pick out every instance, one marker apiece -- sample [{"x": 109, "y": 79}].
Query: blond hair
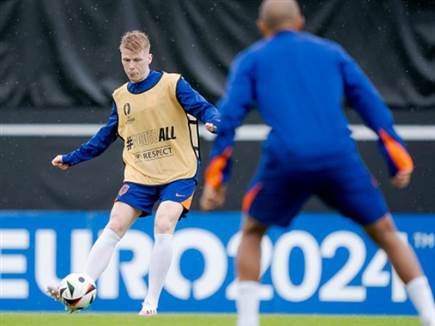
[{"x": 135, "y": 41}]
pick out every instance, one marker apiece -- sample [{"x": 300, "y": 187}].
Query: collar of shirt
[
  {"x": 284, "y": 32},
  {"x": 146, "y": 84}
]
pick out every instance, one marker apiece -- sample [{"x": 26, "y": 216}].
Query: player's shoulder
[
  {"x": 253, "y": 49},
  {"x": 170, "y": 80},
  {"x": 321, "y": 41},
  {"x": 171, "y": 76},
  {"x": 120, "y": 89},
  {"x": 248, "y": 56}
]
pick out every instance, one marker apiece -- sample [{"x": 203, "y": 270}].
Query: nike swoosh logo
[{"x": 178, "y": 195}]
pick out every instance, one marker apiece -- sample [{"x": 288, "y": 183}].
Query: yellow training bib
[{"x": 160, "y": 138}]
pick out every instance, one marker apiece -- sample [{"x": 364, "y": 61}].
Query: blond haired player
[{"x": 155, "y": 114}]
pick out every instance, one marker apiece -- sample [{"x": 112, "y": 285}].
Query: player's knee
[
  {"x": 118, "y": 229},
  {"x": 163, "y": 225},
  {"x": 253, "y": 230},
  {"x": 383, "y": 230},
  {"x": 117, "y": 226}
]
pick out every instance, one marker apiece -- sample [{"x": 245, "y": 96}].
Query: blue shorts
[
  {"x": 144, "y": 198},
  {"x": 278, "y": 192}
]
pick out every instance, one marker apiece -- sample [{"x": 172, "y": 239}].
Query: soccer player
[
  {"x": 155, "y": 114},
  {"x": 297, "y": 81}
]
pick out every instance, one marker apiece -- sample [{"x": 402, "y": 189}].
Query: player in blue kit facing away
[
  {"x": 297, "y": 81},
  {"x": 156, "y": 114}
]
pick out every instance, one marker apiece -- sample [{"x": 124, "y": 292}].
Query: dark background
[{"x": 59, "y": 63}]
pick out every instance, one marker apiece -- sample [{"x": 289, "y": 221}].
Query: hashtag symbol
[{"x": 129, "y": 143}]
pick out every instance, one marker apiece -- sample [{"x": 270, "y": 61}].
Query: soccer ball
[{"x": 77, "y": 291}]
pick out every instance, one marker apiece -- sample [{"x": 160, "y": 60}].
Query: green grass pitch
[{"x": 52, "y": 319}]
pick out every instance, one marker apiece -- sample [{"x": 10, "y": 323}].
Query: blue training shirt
[
  {"x": 191, "y": 101},
  {"x": 298, "y": 81}
]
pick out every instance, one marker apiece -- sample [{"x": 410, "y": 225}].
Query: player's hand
[
  {"x": 58, "y": 162},
  {"x": 401, "y": 180},
  {"x": 212, "y": 198},
  {"x": 210, "y": 127}
]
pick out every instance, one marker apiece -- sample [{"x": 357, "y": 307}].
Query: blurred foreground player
[
  {"x": 298, "y": 82},
  {"x": 155, "y": 114}
]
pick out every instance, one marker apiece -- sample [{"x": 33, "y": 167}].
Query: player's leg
[
  {"x": 274, "y": 198},
  {"x": 384, "y": 233},
  {"x": 175, "y": 202},
  {"x": 166, "y": 219},
  {"x": 248, "y": 271},
  {"x": 132, "y": 200},
  {"x": 249, "y": 253},
  {"x": 351, "y": 189},
  {"x": 121, "y": 218},
  {"x": 407, "y": 266}
]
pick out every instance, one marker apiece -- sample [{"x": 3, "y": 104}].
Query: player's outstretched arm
[
  {"x": 58, "y": 162},
  {"x": 234, "y": 107},
  {"x": 105, "y": 136},
  {"x": 367, "y": 101},
  {"x": 196, "y": 105}
]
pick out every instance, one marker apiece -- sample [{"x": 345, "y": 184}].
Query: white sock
[
  {"x": 248, "y": 304},
  {"x": 421, "y": 296},
  {"x": 101, "y": 252},
  {"x": 160, "y": 262}
]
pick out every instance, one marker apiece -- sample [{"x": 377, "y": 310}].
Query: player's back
[{"x": 298, "y": 87}]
